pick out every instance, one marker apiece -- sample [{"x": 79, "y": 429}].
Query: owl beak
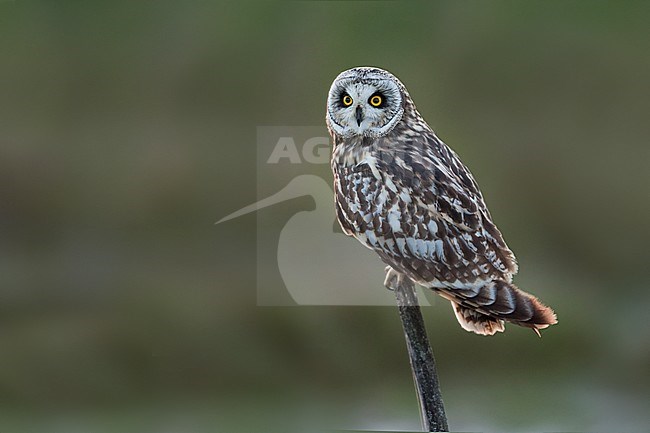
[{"x": 358, "y": 114}]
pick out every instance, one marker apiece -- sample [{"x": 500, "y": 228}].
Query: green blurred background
[{"x": 128, "y": 128}]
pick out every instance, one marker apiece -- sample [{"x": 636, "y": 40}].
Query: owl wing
[{"x": 420, "y": 208}]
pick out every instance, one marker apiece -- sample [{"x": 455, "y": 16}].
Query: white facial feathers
[{"x": 364, "y": 102}]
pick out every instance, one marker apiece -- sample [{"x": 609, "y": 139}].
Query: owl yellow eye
[
  {"x": 347, "y": 100},
  {"x": 375, "y": 100}
]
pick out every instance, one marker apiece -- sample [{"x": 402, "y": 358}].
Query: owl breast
[{"x": 393, "y": 208}]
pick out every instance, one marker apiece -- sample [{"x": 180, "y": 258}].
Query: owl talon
[{"x": 393, "y": 278}]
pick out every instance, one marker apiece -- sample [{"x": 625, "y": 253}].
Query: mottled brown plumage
[{"x": 406, "y": 195}]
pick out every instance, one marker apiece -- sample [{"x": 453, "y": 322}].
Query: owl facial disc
[{"x": 364, "y": 102}]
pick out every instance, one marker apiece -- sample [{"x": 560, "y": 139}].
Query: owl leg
[{"x": 393, "y": 278}]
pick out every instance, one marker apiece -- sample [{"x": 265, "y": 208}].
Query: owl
[{"x": 406, "y": 195}]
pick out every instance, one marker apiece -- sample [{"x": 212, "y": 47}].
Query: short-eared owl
[{"x": 404, "y": 194}]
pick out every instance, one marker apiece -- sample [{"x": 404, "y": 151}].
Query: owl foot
[{"x": 394, "y": 279}]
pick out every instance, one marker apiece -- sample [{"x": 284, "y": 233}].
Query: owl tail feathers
[{"x": 483, "y": 309}]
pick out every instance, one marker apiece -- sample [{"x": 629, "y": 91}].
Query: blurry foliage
[{"x": 128, "y": 128}]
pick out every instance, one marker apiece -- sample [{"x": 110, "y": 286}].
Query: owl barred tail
[{"x": 500, "y": 301}]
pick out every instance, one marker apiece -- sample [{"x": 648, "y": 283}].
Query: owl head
[{"x": 365, "y": 102}]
